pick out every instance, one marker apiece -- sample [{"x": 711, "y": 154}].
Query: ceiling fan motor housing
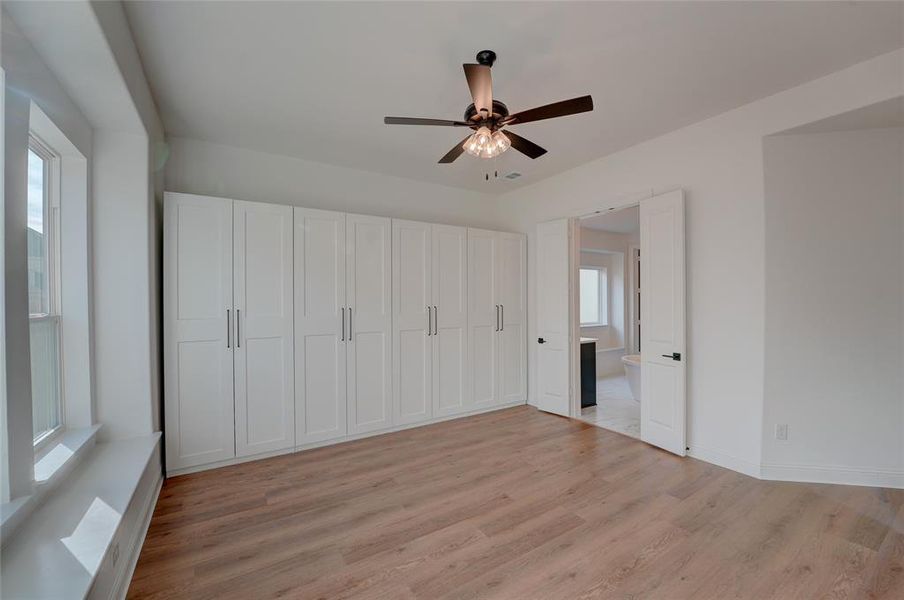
[{"x": 500, "y": 111}]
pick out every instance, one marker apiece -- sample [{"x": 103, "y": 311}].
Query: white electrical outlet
[{"x": 781, "y": 432}]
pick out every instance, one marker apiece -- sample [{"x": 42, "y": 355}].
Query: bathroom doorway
[
  {"x": 660, "y": 312},
  {"x": 607, "y": 290}
]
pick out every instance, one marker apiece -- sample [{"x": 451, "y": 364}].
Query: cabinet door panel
[
  {"x": 264, "y": 370},
  {"x": 198, "y": 359},
  {"x": 320, "y": 349},
  {"x": 411, "y": 326},
  {"x": 511, "y": 279},
  {"x": 483, "y": 317},
  {"x": 451, "y": 393},
  {"x": 369, "y": 323}
]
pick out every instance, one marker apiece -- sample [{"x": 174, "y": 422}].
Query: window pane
[
  {"x": 46, "y": 409},
  {"x": 46, "y": 390},
  {"x": 38, "y": 268},
  {"x": 590, "y": 299}
]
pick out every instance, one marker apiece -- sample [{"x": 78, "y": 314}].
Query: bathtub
[{"x": 632, "y": 371}]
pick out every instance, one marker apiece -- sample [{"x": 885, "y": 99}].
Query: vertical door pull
[
  {"x": 435, "y": 320},
  {"x": 238, "y": 328},
  {"x": 429, "y": 322},
  {"x": 349, "y": 324},
  {"x": 342, "y": 338},
  {"x": 502, "y": 317},
  {"x": 497, "y": 317},
  {"x": 228, "y": 330}
]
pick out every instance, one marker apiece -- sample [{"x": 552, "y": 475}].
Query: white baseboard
[
  {"x": 887, "y": 478},
  {"x": 832, "y": 474},
  {"x": 339, "y": 440},
  {"x": 724, "y": 459}
]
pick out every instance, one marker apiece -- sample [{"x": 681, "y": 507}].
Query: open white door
[
  {"x": 662, "y": 331},
  {"x": 553, "y": 316}
]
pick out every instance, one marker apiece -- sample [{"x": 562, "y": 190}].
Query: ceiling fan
[{"x": 487, "y": 117}]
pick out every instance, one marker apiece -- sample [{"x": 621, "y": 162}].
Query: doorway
[
  {"x": 659, "y": 368},
  {"x": 607, "y": 288}
]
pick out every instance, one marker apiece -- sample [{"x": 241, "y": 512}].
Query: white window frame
[
  {"x": 52, "y": 185},
  {"x": 602, "y": 296}
]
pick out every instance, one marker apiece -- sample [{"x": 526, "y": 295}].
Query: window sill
[
  {"x": 52, "y": 463},
  {"x": 594, "y": 325},
  {"x": 84, "y": 539}
]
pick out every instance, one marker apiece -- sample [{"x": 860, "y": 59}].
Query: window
[
  {"x": 43, "y": 291},
  {"x": 594, "y": 283}
]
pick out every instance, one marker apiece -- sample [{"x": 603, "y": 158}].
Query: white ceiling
[
  {"x": 314, "y": 80},
  {"x": 626, "y": 220}
]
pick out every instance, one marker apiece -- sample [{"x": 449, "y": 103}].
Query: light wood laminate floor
[{"x": 515, "y": 504}]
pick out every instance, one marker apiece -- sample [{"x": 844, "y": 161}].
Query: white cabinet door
[
  {"x": 369, "y": 322},
  {"x": 483, "y": 318},
  {"x": 412, "y": 322},
  {"x": 320, "y": 348},
  {"x": 662, "y": 406},
  {"x": 450, "y": 320},
  {"x": 264, "y": 370},
  {"x": 511, "y": 270},
  {"x": 198, "y": 314}
]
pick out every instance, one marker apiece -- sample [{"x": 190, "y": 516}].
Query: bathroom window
[{"x": 594, "y": 308}]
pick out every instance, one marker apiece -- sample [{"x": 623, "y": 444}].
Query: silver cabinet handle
[
  {"x": 238, "y": 328},
  {"x": 429, "y": 322},
  {"x": 349, "y": 324},
  {"x": 497, "y": 317},
  {"x": 342, "y": 338},
  {"x": 502, "y": 317},
  {"x": 228, "y": 329},
  {"x": 435, "y": 320}
]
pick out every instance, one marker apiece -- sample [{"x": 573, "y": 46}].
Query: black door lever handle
[
  {"x": 673, "y": 356},
  {"x": 541, "y": 341}
]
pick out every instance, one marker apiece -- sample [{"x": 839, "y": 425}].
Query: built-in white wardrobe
[
  {"x": 497, "y": 314},
  {"x": 288, "y": 328},
  {"x": 228, "y": 367}
]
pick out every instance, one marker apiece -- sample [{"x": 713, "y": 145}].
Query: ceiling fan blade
[
  {"x": 481, "y": 83},
  {"x": 454, "y": 153},
  {"x": 551, "y": 111},
  {"x": 524, "y": 146},
  {"x": 417, "y": 121}
]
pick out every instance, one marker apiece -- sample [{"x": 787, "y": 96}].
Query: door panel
[
  {"x": 553, "y": 316},
  {"x": 198, "y": 344},
  {"x": 320, "y": 348},
  {"x": 511, "y": 275},
  {"x": 369, "y": 322},
  {"x": 412, "y": 321},
  {"x": 483, "y": 317},
  {"x": 264, "y": 370},
  {"x": 662, "y": 405},
  {"x": 450, "y": 320}
]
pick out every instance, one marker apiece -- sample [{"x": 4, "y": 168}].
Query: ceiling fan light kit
[
  {"x": 486, "y": 144},
  {"x": 487, "y": 117}
]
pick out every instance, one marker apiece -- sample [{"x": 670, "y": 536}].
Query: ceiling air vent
[{"x": 513, "y": 175}]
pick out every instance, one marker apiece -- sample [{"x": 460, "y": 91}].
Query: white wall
[
  {"x": 834, "y": 322},
  {"x": 197, "y": 167},
  {"x": 719, "y": 162},
  {"x": 122, "y": 299},
  {"x": 147, "y": 191}
]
